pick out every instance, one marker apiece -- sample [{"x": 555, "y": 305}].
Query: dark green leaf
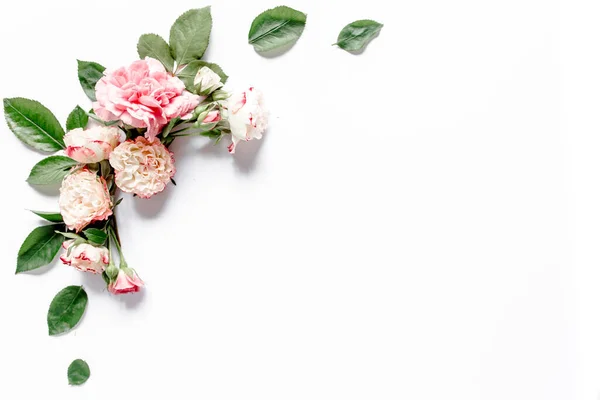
[
  {"x": 97, "y": 236},
  {"x": 51, "y": 170},
  {"x": 275, "y": 28},
  {"x": 66, "y": 309},
  {"x": 49, "y": 216},
  {"x": 151, "y": 45},
  {"x": 89, "y": 73},
  {"x": 77, "y": 119},
  {"x": 190, "y": 34},
  {"x": 78, "y": 372},
  {"x": 34, "y": 124},
  {"x": 188, "y": 74},
  {"x": 39, "y": 248},
  {"x": 356, "y": 35}
]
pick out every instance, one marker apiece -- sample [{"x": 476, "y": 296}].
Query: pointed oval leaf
[
  {"x": 51, "y": 170},
  {"x": 77, "y": 119},
  {"x": 94, "y": 235},
  {"x": 276, "y": 28},
  {"x": 154, "y": 46},
  {"x": 78, "y": 372},
  {"x": 40, "y": 247},
  {"x": 356, "y": 35},
  {"x": 89, "y": 73},
  {"x": 66, "y": 309},
  {"x": 49, "y": 216},
  {"x": 188, "y": 73},
  {"x": 34, "y": 124},
  {"x": 190, "y": 35}
]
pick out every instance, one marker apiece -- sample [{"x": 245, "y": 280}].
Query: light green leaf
[
  {"x": 49, "y": 216},
  {"x": 188, "y": 73},
  {"x": 275, "y": 28},
  {"x": 356, "y": 35},
  {"x": 94, "y": 235},
  {"x": 154, "y": 46},
  {"x": 77, "y": 119},
  {"x": 66, "y": 309},
  {"x": 190, "y": 35},
  {"x": 51, "y": 170},
  {"x": 78, "y": 372},
  {"x": 34, "y": 124},
  {"x": 89, "y": 73},
  {"x": 39, "y": 248}
]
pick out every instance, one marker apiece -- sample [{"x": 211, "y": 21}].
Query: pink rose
[
  {"x": 127, "y": 281},
  {"x": 213, "y": 116},
  {"x": 143, "y": 95},
  {"x": 85, "y": 257},
  {"x": 247, "y": 116},
  {"x": 91, "y": 145}
]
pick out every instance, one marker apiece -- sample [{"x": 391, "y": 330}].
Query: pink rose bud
[
  {"x": 91, "y": 145},
  {"x": 85, "y": 257},
  {"x": 127, "y": 281},
  {"x": 213, "y": 116}
]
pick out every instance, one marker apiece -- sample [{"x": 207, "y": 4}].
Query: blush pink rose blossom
[
  {"x": 85, "y": 257},
  {"x": 127, "y": 281},
  {"x": 143, "y": 95},
  {"x": 91, "y": 145}
]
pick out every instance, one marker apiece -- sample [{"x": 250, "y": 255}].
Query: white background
[{"x": 420, "y": 222}]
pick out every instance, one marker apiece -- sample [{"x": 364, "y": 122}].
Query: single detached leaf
[
  {"x": 89, "y": 73},
  {"x": 34, "y": 124},
  {"x": 275, "y": 28},
  {"x": 66, "y": 309},
  {"x": 188, "y": 73},
  {"x": 77, "y": 119},
  {"x": 97, "y": 236},
  {"x": 51, "y": 170},
  {"x": 49, "y": 216},
  {"x": 40, "y": 247},
  {"x": 190, "y": 34},
  {"x": 356, "y": 35},
  {"x": 151, "y": 45},
  {"x": 78, "y": 372}
]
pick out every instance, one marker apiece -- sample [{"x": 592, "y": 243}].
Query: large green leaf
[
  {"x": 275, "y": 28},
  {"x": 40, "y": 247},
  {"x": 49, "y": 216},
  {"x": 66, "y": 309},
  {"x": 89, "y": 73},
  {"x": 51, "y": 170},
  {"x": 356, "y": 35},
  {"x": 188, "y": 74},
  {"x": 154, "y": 46},
  {"x": 77, "y": 119},
  {"x": 95, "y": 235},
  {"x": 78, "y": 372},
  {"x": 34, "y": 124},
  {"x": 190, "y": 35}
]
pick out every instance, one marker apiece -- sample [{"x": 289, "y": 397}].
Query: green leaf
[
  {"x": 39, "y": 248},
  {"x": 275, "y": 28},
  {"x": 51, "y": 170},
  {"x": 77, "y": 119},
  {"x": 151, "y": 45},
  {"x": 66, "y": 309},
  {"x": 78, "y": 372},
  {"x": 89, "y": 73},
  {"x": 97, "y": 236},
  {"x": 34, "y": 124},
  {"x": 190, "y": 34},
  {"x": 49, "y": 216},
  {"x": 356, "y": 35},
  {"x": 188, "y": 73}
]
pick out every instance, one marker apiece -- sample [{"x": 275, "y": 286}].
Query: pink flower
[
  {"x": 143, "y": 95},
  {"x": 247, "y": 116},
  {"x": 91, "y": 145},
  {"x": 213, "y": 116},
  {"x": 127, "y": 281},
  {"x": 85, "y": 257}
]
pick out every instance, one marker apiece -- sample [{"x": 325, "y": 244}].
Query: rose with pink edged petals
[
  {"x": 85, "y": 257},
  {"x": 91, "y": 145},
  {"x": 247, "y": 116},
  {"x": 127, "y": 281}
]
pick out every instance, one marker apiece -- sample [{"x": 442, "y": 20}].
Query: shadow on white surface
[
  {"x": 94, "y": 283},
  {"x": 152, "y": 207},
  {"x": 246, "y": 154},
  {"x": 132, "y": 300}
]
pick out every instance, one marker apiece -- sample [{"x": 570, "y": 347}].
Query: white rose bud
[
  {"x": 91, "y": 145},
  {"x": 207, "y": 81},
  {"x": 85, "y": 257},
  {"x": 247, "y": 116}
]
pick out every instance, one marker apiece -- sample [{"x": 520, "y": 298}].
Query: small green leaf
[
  {"x": 97, "y": 236},
  {"x": 89, "y": 73},
  {"x": 188, "y": 73},
  {"x": 49, "y": 216},
  {"x": 66, "y": 309},
  {"x": 34, "y": 124},
  {"x": 70, "y": 235},
  {"x": 190, "y": 35},
  {"x": 151, "y": 45},
  {"x": 51, "y": 170},
  {"x": 39, "y": 248},
  {"x": 356, "y": 35},
  {"x": 77, "y": 119},
  {"x": 275, "y": 28},
  {"x": 78, "y": 372}
]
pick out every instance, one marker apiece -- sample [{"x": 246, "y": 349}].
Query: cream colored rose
[
  {"x": 91, "y": 145},
  {"x": 142, "y": 167},
  {"x": 84, "y": 198},
  {"x": 85, "y": 257},
  {"x": 207, "y": 81},
  {"x": 247, "y": 116}
]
